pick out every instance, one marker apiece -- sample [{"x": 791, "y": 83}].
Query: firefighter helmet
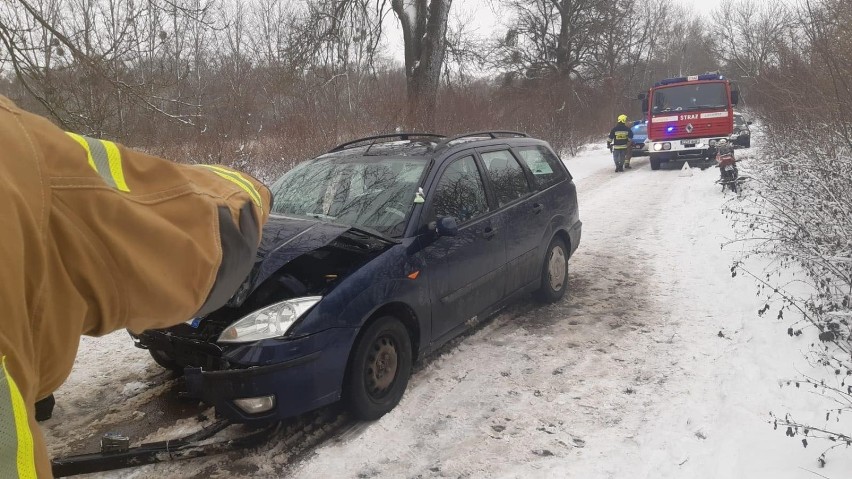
[{"x": 622, "y": 118}]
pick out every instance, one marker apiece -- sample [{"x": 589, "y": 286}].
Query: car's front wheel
[
  {"x": 554, "y": 272},
  {"x": 379, "y": 369},
  {"x": 165, "y": 360},
  {"x": 655, "y": 162}
]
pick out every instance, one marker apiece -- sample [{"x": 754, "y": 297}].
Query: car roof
[{"x": 423, "y": 145}]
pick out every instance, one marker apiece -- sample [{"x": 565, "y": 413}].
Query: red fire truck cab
[{"x": 687, "y": 116}]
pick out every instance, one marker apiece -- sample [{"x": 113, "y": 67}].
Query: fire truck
[{"x": 687, "y": 116}]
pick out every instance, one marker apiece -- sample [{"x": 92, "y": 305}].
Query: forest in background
[{"x": 267, "y": 83}]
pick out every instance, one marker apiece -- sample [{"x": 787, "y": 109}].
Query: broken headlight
[{"x": 269, "y": 322}]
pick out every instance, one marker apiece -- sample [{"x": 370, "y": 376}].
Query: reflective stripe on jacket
[
  {"x": 16, "y": 440},
  {"x": 620, "y": 136}
]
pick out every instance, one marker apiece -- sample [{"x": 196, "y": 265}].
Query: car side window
[
  {"x": 460, "y": 192},
  {"x": 510, "y": 182},
  {"x": 545, "y": 166}
]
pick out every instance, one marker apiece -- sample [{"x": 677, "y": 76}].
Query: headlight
[
  {"x": 658, "y": 146},
  {"x": 667, "y": 146},
  {"x": 269, "y": 322}
]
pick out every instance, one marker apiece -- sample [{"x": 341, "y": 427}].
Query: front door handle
[
  {"x": 538, "y": 208},
  {"x": 489, "y": 232}
]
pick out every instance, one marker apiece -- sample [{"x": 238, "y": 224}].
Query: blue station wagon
[{"x": 377, "y": 253}]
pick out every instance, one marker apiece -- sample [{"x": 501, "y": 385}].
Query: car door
[
  {"x": 555, "y": 193},
  {"x": 521, "y": 216},
  {"x": 466, "y": 270}
]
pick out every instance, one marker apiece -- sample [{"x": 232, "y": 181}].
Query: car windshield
[
  {"x": 690, "y": 97},
  {"x": 640, "y": 129},
  {"x": 373, "y": 193}
]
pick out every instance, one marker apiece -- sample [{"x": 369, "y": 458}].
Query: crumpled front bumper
[
  {"x": 290, "y": 382},
  {"x": 301, "y": 374}
]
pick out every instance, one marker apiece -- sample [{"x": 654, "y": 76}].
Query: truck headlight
[{"x": 269, "y": 322}]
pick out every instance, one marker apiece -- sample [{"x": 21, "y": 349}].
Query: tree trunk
[{"x": 424, "y": 28}]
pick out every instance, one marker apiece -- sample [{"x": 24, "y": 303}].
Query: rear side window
[
  {"x": 545, "y": 166},
  {"x": 460, "y": 193},
  {"x": 510, "y": 182}
]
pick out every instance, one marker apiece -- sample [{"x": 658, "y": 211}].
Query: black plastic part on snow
[{"x": 186, "y": 447}]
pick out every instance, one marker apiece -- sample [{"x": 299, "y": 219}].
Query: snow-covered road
[{"x": 656, "y": 365}]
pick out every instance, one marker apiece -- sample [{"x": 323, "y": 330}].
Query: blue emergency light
[{"x": 706, "y": 76}]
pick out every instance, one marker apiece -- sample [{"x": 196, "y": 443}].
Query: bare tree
[
  {"x": 749, "y": 34},
  {"x": 552, "y": 37},
  {"x": 424, "y": 29}
]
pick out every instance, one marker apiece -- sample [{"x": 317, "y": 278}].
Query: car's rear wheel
[
  {"x": 655, "y": 162},
  {"x": 554, "y": 272},
  {"x": 379, "y": 369}
]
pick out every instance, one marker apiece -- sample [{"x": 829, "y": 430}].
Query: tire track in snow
[{"x": 536, "y": 382}]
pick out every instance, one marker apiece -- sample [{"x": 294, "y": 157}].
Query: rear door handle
[
  {"x": 489, "y": 232},
  {"x": 538, "y": 208}
]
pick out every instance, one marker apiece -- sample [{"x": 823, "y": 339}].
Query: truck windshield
[{"x": 690, "y": 97}]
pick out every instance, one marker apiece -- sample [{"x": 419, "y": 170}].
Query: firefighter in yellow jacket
[{"x": 95, "y": 237}]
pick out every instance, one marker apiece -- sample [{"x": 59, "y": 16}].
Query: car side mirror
[
  {"x": 447, "y": 226},
  {"x": 735, "y": 97},
  {"x": 641, "y": 97},
  {"x": 749, "y": 123}
]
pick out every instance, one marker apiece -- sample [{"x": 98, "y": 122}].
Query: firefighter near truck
[{"x": 687, "y": 116}]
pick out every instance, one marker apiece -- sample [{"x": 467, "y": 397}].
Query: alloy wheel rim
[{"x": 556, "y": 268}]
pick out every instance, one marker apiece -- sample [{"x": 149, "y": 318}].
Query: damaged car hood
[{"x": 286, "y": 238}]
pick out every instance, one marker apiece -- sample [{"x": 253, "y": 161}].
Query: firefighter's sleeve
[{"x": 147, "y": 242}]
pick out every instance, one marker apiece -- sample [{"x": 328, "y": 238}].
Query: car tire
[
  {"x": 554, "y": 272},
  {"x": 747, "y": 142},
  {"x": 655, "y": 163},
  {"x": 165, "y": 360},
  {"x": 383, "y": 349}
]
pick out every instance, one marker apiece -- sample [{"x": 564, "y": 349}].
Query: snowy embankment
[{"x": 655, "y": 366}]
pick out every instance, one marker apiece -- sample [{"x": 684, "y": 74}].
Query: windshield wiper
[{"x": 374, "y": 233}]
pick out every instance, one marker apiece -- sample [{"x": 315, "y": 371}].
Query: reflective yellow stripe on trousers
[
  {"x": 105, "y": 158},
  {"x": 16, "y": 439}
]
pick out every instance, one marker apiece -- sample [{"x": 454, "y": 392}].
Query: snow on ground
[{"x": 655, "y": 366}]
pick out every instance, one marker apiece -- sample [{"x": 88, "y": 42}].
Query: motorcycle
[{"x": 729, "y": 176}]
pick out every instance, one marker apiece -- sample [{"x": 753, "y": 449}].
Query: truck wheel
[
  {"x": 378, "y": 371},
  {"x": 655, "y": 163}
]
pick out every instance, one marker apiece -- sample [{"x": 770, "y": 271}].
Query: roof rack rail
[
  {"x": 492, "y": 133},
  {"x": 401, "y": 136}
]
